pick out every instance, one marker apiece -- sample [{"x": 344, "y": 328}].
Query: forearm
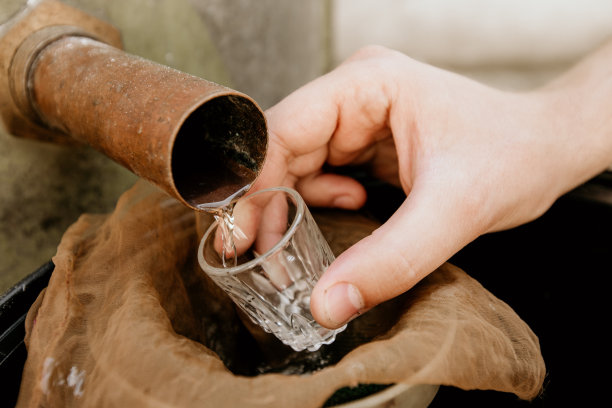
[{"x": 578, "y": 107}]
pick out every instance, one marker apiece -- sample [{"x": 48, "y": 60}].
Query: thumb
[{"x": 419, "y": 237}]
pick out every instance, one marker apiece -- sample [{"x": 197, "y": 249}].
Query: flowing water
[
  {"x": 225, "y": 219},
  {"x": 223, "y": 213}
]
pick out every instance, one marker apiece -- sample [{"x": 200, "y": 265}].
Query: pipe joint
[{"x": 22, "y": 63}]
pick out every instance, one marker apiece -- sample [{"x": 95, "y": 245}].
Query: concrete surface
[{"x": 265, "y": 48}]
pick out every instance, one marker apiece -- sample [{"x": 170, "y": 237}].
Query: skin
[{"x": 471, "y": 160}]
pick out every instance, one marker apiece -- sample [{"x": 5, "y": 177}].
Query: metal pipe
[{"x": 199, "y": 141}]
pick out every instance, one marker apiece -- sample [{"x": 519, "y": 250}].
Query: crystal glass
[{"x": 278, "y": 258}]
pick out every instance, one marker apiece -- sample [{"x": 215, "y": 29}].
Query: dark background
[{"x": 553, "y": 272}]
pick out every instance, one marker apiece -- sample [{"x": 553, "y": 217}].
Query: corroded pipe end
[
  {"x": 219, "y": 151},
  {"x": 199, "y": 141}
]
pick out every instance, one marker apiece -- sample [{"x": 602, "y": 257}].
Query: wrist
[{"x": 577, "y": 114}]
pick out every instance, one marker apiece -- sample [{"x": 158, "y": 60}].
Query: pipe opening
[{"x": 219, "y": 151}]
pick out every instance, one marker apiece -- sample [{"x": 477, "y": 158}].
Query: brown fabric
[{"x": 127, "y": 313}]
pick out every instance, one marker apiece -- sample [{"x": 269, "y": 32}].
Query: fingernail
[{"x": 343, "y": 302}]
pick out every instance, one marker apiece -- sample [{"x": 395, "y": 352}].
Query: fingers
[
  {"x": 246, "y": 218},
  {"x": 420, "y": 236},
  {"x": 244, "y": 223},
  {"x": 275, "y": 169},
  {"x": 259, "y": 223},
  {"x": 273, "y": 225},
  {"x": 343, "y": 113},
  {"x": 332, "y": 190}
]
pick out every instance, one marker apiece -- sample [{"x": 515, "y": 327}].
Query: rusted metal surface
[
  {"x": 197, "y": 140},
  {"x": 44, "y": 14},
  {"x": 23, "y": 60}
]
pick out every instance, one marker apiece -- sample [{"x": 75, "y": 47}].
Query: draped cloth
[{"x": 129, "y": 319}]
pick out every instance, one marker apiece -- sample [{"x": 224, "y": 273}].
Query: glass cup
[{"x": 279, "y": 256}]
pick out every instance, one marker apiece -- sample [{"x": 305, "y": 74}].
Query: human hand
[{"x": 470, "y": 158}]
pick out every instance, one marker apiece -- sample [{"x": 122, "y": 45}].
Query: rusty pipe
[{"x": 199, "y": 141}]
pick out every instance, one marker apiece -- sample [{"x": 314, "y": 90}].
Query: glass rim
[{"x": 234, "y": 270}]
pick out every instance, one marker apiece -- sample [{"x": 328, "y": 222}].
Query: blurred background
[{"x": 267, "y": 48}]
